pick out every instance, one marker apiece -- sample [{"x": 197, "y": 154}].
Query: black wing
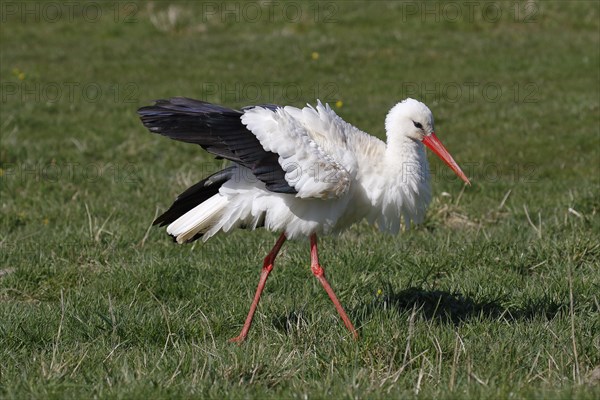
[{"x": 219, "y": 130}]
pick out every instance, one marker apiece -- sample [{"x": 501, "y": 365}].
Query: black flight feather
[{"x": 219, "y": 130}]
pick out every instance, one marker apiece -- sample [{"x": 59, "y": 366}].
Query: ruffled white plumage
[
  {"x": 293, "y": 134},
  {"x": 340, "y": 173}
]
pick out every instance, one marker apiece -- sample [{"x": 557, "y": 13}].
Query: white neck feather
[{"x": 406, "y": 193}]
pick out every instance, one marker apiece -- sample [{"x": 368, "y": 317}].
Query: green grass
[{"x": 476, "y": 303}]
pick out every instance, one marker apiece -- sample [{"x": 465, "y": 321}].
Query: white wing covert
[{"x": 312, "y": 152}]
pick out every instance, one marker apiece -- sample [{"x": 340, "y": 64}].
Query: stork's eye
[{"x": 418, "y": 125}]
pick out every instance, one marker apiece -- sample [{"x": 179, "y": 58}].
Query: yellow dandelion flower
[
  {"x": 18, "y": 73},
  {"x": 314, "y": 55},
  {"x": 45, "y": 221},
  {"x": 379, "y": 292},
  {"x": 339, "y": 104}
]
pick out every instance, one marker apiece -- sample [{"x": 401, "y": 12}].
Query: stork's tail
[
  {"x": 196, "y": 210},
  {"x": 200, "y": 219}
]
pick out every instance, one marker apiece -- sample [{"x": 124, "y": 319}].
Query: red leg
[
  {"x": 264, "y": 274},
  {"x": 318, "y": 271}
]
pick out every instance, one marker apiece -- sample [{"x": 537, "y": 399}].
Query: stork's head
[
  {"x": 410, "y": 118},
  {"x": 414, "y": 120}
]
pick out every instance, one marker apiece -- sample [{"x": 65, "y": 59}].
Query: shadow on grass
[
  {"x": 441, "y": 306},
  {"x": 455, "y": 308}
]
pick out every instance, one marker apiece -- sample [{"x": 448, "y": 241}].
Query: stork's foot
[{"x": 238, "y": 339}]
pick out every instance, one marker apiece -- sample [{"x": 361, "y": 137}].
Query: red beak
[{"x": 438, "y": 148}]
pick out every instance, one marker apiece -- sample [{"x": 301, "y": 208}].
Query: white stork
[{"x": 300, "y": 172}]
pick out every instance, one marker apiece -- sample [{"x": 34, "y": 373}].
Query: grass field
[{"x": 495, "y": 296}]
